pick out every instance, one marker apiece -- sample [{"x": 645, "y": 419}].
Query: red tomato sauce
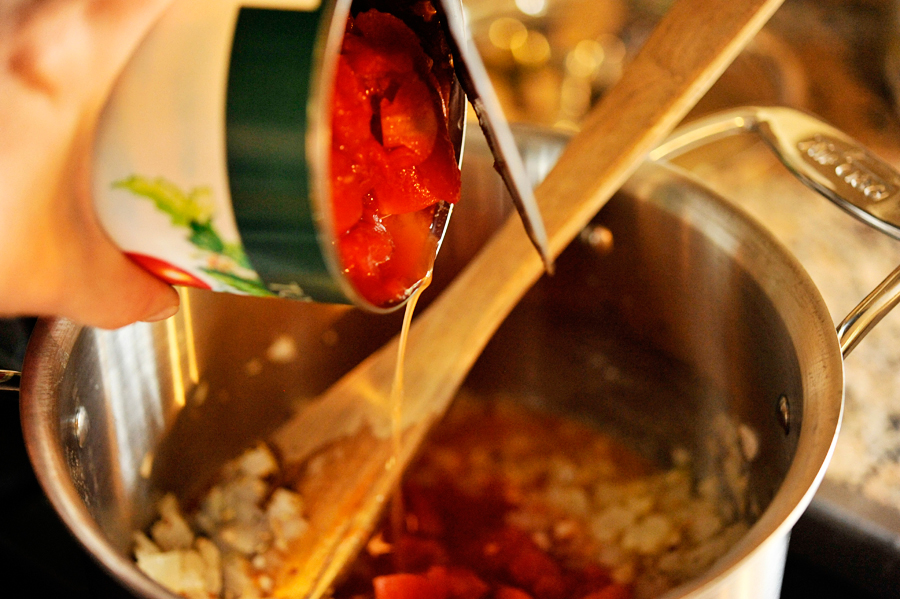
[
  {"x": 392, "y": 160},
  {"x": 454, "y": 540}
]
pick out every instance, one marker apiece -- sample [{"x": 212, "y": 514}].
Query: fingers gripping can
[{"x": 270, "y": 148}]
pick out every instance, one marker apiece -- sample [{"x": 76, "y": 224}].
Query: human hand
[{"x": 58, "y": 62}]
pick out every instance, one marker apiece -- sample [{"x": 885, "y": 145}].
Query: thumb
[{"x": 108, "y": 290}]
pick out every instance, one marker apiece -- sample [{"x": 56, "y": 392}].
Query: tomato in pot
[
  {"x": 468, "y": 514},
  {"x": 392, "y": 160}
]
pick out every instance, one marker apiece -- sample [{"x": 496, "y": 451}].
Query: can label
[
  {"x": 196, "y": 121},
  {"x": 212, "y": 163}
]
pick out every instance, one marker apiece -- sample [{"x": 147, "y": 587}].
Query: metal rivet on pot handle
[{"x": 828, "y": 161}]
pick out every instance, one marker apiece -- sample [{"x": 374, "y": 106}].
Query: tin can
[{"x": 211, "y": 162}]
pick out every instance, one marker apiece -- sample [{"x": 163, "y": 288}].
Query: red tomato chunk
[
  {"x": 455, "y": 540},
  {"x": 392, "y": 160}
]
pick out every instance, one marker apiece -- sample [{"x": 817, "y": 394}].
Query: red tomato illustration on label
[{"x": 167, "y": 272}]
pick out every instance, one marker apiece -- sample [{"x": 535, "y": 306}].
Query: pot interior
[{"x": 690, "y": 313}]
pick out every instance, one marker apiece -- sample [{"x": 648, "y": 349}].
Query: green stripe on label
[{"x": 272, "y": 65}]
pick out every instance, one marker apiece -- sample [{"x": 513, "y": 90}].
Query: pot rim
[
  {"x": 48, "y": 353},
  {"x": 44, "y": 366}
]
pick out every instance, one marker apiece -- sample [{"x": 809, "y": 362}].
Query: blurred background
[{"x": 550, "y": 61}]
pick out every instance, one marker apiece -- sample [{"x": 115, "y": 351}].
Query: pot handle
[
  {"x": 9, "y": 380},
  {"x": 828, "y": 161}
]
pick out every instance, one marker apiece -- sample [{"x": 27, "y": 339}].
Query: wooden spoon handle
[{"x": 691, "y": 46}]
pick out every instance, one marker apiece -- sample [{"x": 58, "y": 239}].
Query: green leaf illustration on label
[{"x": 226, "y": 261}]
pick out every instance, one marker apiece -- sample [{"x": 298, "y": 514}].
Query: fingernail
[{"x": 163, "y": 314}]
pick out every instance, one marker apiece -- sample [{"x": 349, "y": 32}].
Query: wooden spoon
[{"x": 688, "y": 50}]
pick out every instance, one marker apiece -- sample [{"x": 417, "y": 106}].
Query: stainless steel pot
[{"x": 694, "y": 307}]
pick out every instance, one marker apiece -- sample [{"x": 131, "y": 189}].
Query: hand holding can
[
  {"x": 296, "y": 149},
  {"x": 61, "y": 59}
]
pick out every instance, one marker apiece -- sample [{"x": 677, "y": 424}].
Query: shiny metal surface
[
  {"x": 695, "y": 308},
  {"x": 9, "y": 380},
  {"x": 869, "y": 312},
  {"x": 830, "y": 162}
]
